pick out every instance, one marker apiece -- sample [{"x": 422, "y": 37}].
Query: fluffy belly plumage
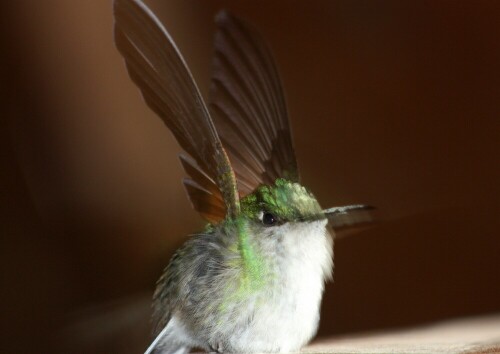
[{"x": 286, "y": 316}]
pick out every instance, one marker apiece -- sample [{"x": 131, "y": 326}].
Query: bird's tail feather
[{"x": 165, "y": 344}]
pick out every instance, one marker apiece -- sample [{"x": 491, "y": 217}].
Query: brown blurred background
[{"x": 393, "y": 103}]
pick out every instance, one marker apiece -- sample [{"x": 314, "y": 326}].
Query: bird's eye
[{"x": 268, "y": 219}]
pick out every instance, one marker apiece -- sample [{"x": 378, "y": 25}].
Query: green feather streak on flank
[
  {"x": 253, "y": 268},
  {"x": 252, "y": 264}
]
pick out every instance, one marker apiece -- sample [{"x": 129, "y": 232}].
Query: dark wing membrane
[
  {"x": 248, "y": 107},
  {"x": 157, "y": 67},
  {"x": 202, "y": 191}
]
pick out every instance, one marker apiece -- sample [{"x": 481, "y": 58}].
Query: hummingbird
[{"x": 253, "y": 279}]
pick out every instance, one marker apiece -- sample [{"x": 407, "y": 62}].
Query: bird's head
[{"x": 280, "y": 203}]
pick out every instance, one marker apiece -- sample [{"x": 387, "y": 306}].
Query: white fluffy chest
[{"x": 287, "y": 316}]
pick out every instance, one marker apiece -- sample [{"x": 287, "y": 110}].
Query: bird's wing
[
  {"x": 157, "y": 67},
  {"x": 248, "y": 106}
]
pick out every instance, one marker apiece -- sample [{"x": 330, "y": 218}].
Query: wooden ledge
[{"x": 470, "y": 335}]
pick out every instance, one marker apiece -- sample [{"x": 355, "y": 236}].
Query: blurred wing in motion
[
  {"x": 248, "y": 107},
  {"x": 157, "y": 67}
]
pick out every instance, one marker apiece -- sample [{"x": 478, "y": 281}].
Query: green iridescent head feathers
[{"x": 286, "y": 200}]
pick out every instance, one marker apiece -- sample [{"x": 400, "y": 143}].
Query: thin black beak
[
  {"x": 349, "y": 215},
  {"x": 343, "y": 210}
]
